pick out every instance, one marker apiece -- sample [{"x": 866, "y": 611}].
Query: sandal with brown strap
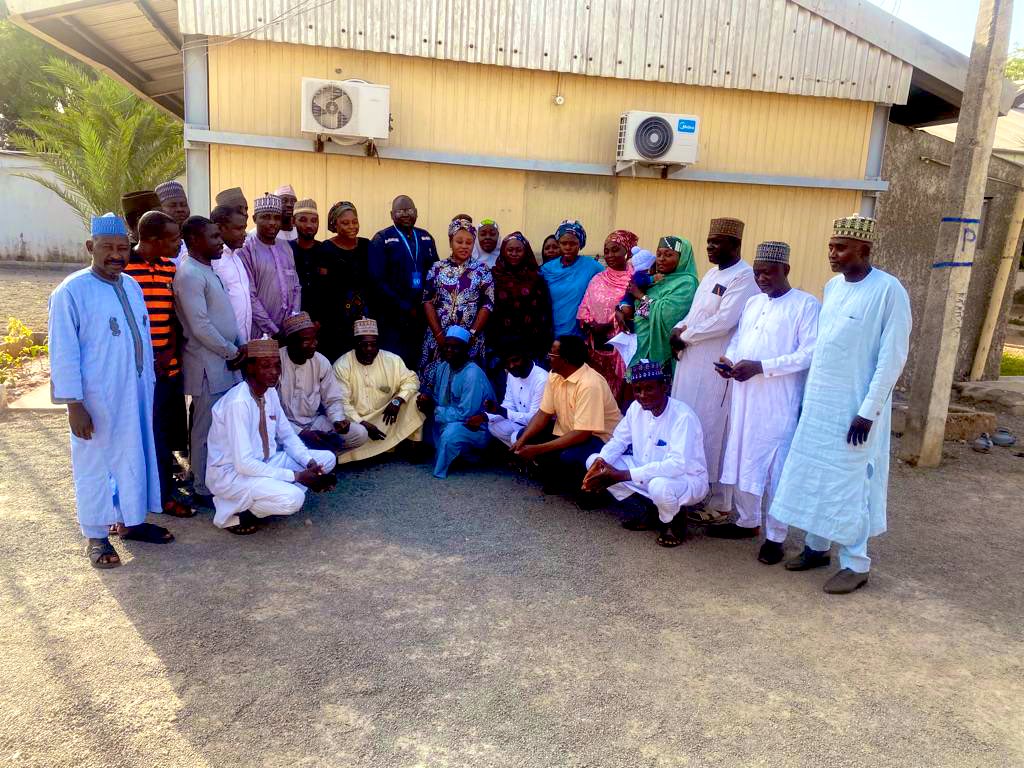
[{"x": 102, "y": 548}]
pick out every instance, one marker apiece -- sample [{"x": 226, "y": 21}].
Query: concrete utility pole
[{"x": 939, "y": 336}]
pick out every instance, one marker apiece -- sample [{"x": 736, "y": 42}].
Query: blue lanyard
[{"x": 415, "y": 257}]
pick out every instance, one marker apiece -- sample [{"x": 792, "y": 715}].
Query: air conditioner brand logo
[{"x": 686, "y": 126}]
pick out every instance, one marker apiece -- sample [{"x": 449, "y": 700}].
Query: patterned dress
[{"x": 458, "y": 292}]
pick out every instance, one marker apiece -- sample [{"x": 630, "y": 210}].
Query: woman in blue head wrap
[{"x": 568, "y": 277}]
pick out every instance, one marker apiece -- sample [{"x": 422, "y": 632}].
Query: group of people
[{"x": 732, "y": 401}]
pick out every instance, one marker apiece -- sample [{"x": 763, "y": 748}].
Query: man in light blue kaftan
[
  {"x": 101, "y": 367},
  {"x": 834, "y": 481},
  {"x": 455, "y": 395}
]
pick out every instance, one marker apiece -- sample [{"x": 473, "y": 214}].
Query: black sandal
[
  {"x": 99, "y": 548},
  {"x": 146, "y": 532},
  {"x": 247, "y": 524},
  {"x": 668, "y": 538}
]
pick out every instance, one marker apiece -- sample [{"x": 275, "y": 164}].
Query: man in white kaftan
[
  {"x": 257, "y": 465},
  {"x": 700, "y": 340},
  {"x": 767, "y": 362},
  {"x": 101, "y": 367},
  {"x": 310, "y": 393},
  {"x": 524, "y": 390},
  {"x": 835, "y": 480},
  {"x": 377, "y": 392},
  {"x": 666, "y": 463}
]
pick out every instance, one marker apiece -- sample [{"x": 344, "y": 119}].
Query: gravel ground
[
  {"x": 407, "y": 621},
  {"x": 25, "y": 291}
]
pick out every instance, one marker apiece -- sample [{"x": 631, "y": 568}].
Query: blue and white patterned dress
[{"x": 458, "y": 292}]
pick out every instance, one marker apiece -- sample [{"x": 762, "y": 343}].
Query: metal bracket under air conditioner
[{"x": 631, "y": 165}]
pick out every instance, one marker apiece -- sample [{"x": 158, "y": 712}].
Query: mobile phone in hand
[{"x": 723, "y": 367}]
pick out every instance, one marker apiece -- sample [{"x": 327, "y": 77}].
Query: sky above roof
[{"x": 951, "y": 21}]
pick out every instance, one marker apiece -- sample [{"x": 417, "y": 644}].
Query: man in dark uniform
[{"x": 400, "y": 257}]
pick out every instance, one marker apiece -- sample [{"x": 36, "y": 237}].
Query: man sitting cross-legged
[
  {"x": 524, "y": 389},
  {"x": 310, "y": 394},
  {"x": 258, "y": 466},
  {"x": 455, "y": 393},
  {"x": 376, "y": 392},
  {"x": 576, "y": 417},
  {"x": 666, "y": 466}
]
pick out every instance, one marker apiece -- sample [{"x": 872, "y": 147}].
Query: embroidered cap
[
  {"x": 262, "y": 348},
  {"x": 772, "y": 250},
  {"x": 305, "y": 206},
  {"x": 108, "y": 225},
  {"x": 300, "y": 321},
  {"x": 855, "y": 227},
  {"x": 365, "y": 326},
  {"x": 267, "y": 204},
  {"x": 458, "y": 332},
  {"x": 647, "y": 370},
  {"x": 170, "y": 190},
  {"x": 285, "y": 190},
  {"x": 727, "y": 227}
]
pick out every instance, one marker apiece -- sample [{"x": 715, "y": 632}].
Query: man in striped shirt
[{"x": 151, "y": 266}]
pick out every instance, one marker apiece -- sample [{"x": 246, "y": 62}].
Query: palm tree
[{"x": 101, "y": 141}]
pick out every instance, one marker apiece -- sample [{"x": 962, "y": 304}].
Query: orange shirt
[{"x": 155, "y": 281}]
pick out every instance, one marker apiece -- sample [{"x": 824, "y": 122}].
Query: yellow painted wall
[{"x": 476, "y": 109}]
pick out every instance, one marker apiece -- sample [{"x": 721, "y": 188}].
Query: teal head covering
[
  {"x": 573, "y": 227},
  {"x": 681, "y": 246}
]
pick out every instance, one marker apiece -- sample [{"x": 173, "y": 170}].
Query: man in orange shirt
[
  {"x": 577, "y": 416},
  {"x": 151, "y": 266}
]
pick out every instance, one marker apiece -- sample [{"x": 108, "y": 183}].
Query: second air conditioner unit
[
  {"x": 350, "y": 109},
  {"x": 657, "y": 138}
]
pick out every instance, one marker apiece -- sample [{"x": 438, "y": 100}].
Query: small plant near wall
[{"x": 17, "y": 348}]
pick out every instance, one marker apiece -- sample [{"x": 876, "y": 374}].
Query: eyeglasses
[{"x": 404, "y": 211}]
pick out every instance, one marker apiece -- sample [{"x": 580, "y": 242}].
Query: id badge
[{"x": 417, "y": 280}]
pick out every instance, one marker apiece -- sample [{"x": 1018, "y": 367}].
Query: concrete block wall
[{"x": 908, "y": 218}]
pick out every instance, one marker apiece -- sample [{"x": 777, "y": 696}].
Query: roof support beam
[
  {"x": 100, "y": 51},
  {"x": 158, "y": 24}
]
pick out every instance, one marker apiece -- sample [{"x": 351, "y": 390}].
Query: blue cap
[
  {"x": 646, "y": 370},
  {"x": 109, "y": 224},
  {"x": 458, "y": 332}
]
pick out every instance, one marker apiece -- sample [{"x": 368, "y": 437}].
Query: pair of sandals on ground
[{"x": 102, "y": 553}]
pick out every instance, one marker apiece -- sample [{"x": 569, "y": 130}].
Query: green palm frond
[{"x": 101, "y": 142}]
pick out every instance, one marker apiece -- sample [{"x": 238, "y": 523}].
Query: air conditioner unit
[
  {"x": 351, "y": 109},
  {"x": 655, "y": 138}
]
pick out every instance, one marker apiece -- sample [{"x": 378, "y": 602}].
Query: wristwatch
[{"x": 397, "y": 402}]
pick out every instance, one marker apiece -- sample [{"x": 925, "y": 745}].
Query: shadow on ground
[{"x": 407, "y": 621}]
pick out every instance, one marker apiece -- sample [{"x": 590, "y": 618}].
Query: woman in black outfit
[{"x": 339, "y": 277}]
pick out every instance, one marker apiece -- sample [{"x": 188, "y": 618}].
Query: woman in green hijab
[{"x": 666, "y": 301}]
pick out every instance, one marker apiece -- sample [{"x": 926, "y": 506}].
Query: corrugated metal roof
[{"x": 761, "y": 45}]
